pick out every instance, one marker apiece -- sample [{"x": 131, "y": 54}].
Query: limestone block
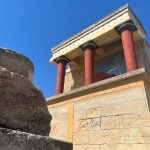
[
  {"x": 92, "y": 101},
  {"x": 131, "y": 147},
  {"x": 81, "y": 138},
  {"x": 126, "y": 121},
  {"x": 82, "y": 114},
  {"x": 108, "y": 147},
  {"x": 135, "y": 120},
  {"x": 123, "y": 136},
  {"x": 92, "y": 147},
  {"x": 112, "y": 136},
  {"x": 148, "y": 146},
  {"x": 104, "y": 137},
  {"x": 16, "y": 140},
  {"x": 124, "y": 147},
  {"x": 93, "y": 112},
  {"x": 79, "y": 147},
  {"x": 92, "y": 124},
  {"x": 110, "y": 122},
  {"x": 59, "y": 118},
  {"x": 80, "y": 105},
  {"x": 135, "y": 135},
  {"x": 16, "y": 62},
  {"x": 123, "y": 95},
  {"x": 138, "y": 105},
  {"x": 59, "y": 131},
  {"x": 22, "y": 105},
  {"x": 80, "y": 125},
  {"x": 142, "y": 53},
  {"x": 96, "y": 138},
  {"x": 86, "y": 147},
  {"x": 61, "y": 109},
  {"x": 87, "y": 102}
]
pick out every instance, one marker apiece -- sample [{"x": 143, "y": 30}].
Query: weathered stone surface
[
  {"x": 112, "y": 147},
  {"x": 59, "y": 131},
  {"x": 93, "y": 112},
  {"x": 135, "y": 135},
  {"x": 92, "y": 124},
  {"x": 79, "y": 147},
  {"x": 110, "y": 122},
  {"x": 123, "y": 147},
  {"x": 135, "y": 120},
  {"x": 16, "y": 62},
  {"x": 113, "y": 118},
  {"x": 81, "y": 138},
  {"x": 132, "y": 106},
  {"x": 104, "y": 136},
  {"x": 82, "y": 114},
  {"x": 15, "y": 140},
  {"x": 22, "y": 105}
]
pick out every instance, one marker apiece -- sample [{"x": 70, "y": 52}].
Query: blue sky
[{"x": 33, "y": 27}]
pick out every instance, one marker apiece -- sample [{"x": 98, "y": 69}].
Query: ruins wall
[
  {"x": 113, "y": 114},
  {"x": 16, "y": 140}
]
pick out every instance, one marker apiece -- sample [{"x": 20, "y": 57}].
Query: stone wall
[
  {"x": 143, "y": 54},
  {"x": 109, "y": 115},
  {"x": 59, "y": 123},
  {"x": 74, "y": 78},
  {"x": 16, "y": 62},
  {"x": 118, "y": 119},
  {"x": 16, "y": 140}
]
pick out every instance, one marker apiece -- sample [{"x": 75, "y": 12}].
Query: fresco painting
[{"x": 110, "y": 66}]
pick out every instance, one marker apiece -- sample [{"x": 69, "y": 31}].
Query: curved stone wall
[
  {"x": 16, "y": 62},
  {"x": 22, "y": 105}
]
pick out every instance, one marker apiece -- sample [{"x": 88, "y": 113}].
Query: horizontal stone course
[
  {"x": 114, "y": 136},
  {"x": 126, "y": 121},
  {"x": 131, "y": 106},
  {"x": 16, "y": 140},
  {"x": 124, "y": 147},
  {"x": 112, "y": 147},
  {"x": 16, "y": 63}
]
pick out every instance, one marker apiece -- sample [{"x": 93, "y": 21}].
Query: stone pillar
[
  {"x": 61, "y": 67},
  {"x": 126, "y": 31},
  {"x": 89, "y": 49}
]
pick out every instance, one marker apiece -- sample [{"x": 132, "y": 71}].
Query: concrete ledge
[
  {"x": 101, "y": 85},
  {"x": 16, "y": 140}
]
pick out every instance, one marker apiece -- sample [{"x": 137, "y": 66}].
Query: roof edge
[{"x": 91, "y": 26}]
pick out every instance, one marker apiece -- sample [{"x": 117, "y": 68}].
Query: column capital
[
  {"x": 126, "y": 26},
  {"x": 89, "y": 45},
  {"x": 62, "y": 59}
]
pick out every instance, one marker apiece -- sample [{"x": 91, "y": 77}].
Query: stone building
[{"x": 102, "y": 97}]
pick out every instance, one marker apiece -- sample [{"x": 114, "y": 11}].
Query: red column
[
  {"x": 89, "y": 49},
  {"x": 61, "y": 67},
  {"x": 126, "y": 30}
]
